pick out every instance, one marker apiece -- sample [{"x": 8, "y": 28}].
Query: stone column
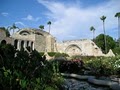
[
  {"x": 30, "y": 44},
  {"x": 19, "y": 45},
  {"x": 33, "y": 47},
  {"x": 25, "y": 44}
]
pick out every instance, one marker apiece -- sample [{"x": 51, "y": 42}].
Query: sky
[{"x": 71, "y": 19}]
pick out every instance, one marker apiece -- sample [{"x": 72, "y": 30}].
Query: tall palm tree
[
  {"x": 49, "y": 23},
  {"x": 118, "y": 15},
  {"x": 92, "y": 29},
  {"x": 41, "y": 27},
  {"x": 13, "y": 27},
  {"x": 103, "y": 19}
]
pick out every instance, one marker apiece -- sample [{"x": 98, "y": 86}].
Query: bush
[
  {"x": 116, "y": 50},
  {"x": 41, "y": 53},
  {"x": 104, "y": 65},
  {"x": 74, "y": 66},
  {"x": 61, "y": 55},
  {"x": 25, "y": 70},
  {"x": 52, "y": 53}
]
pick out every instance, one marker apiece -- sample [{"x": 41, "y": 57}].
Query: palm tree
[
  {"x": 49, "y": 23},
  {"x": 103, "y": 19},
  {"x": 92, "y": 29},
  {"x": 118, "y": 15},
  {"x": 41, "y": 27},
  {"x": 13, "y": 27}
]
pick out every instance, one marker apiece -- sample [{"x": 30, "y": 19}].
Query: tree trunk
[
  {"x": 93, "y": 35},
  {"x": 13, "y": 31},
  {"x": 49, "y": 28},
  {"x": 105, "y": 37},
  {"x": 119, "y": 31}
]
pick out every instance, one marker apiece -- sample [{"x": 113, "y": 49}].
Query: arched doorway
[
  {"x": 3, "y": 42},
  {"x": 22, "y": 44},
  {"x": 15, "y": 44},
  {"x": 32, "y": 46},
  {"x": 73, "y": 49},
  {"x": 27, "y": 43}
]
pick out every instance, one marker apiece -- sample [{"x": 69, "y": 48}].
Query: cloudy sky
[{"x": 71, "y": 19}]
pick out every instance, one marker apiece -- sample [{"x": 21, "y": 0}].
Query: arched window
[
  {"x": 15, "y": 44},
  {"x": 73, "y": 49},
  {"x": 32, "y": 46},
  {"x": 24, "y": 33},
  {"x": 22, "y": 44},
  {"x": 3, "y": 42},
  {"x": 27, "y": 43}
]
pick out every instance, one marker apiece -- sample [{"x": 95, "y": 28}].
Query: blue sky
[{"x": 71, "y": 19}]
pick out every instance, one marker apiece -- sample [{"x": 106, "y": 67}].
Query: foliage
[
  {"x": 26, "y": 70},
  {"x": 117, "y": 14},
  {"x": 52, "y": 53},
  {"x": 99, "y": 40},
  {"x": 104, "y": 65},
  {"x": 93, "y": 30},
  {"x": 116, "y": 50},
  {"x": 41, "y": 53},
  {"x": 49, "y": 22},
  {"x": 103, "y": 18},
  {"x": 61, "y": 55},
  {"x": 13, "y": 27},
  {"x": 73, "y": 66},
  {"x": 41, "y": 27}
]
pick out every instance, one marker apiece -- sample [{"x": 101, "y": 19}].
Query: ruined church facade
[{"x": 43, "y": 41}]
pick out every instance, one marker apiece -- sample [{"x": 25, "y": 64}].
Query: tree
[
  {"x": 13, "y": 27},
  {"x": 110, "y": 42},
  {"x": 103, "y": 19},
  {"x": 92, "y": 29},
  {"x": 49, "y": 23},
  {"x": 118, "y": 15},
  {"x": 41, "y": 27}
]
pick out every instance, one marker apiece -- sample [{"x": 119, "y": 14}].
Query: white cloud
[
  {"x": 20, "y": 23},
  {"x": 31, "y": 18},
  {"x": 75, "y": 21},
  {"x": 4, "y": 13}
]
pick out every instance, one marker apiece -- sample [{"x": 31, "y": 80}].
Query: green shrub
[
  {"x": 25, "y": 70},
  {"x": 51, "y": 54},
  {"x": 104, "y": 65},
  {"x": 116, "y": 50},
  {"x": 61, "y": 55},
  {"x": 41, "y": 53}
]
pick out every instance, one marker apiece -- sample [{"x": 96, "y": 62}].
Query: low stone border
[{"x": 92, "y": 79}]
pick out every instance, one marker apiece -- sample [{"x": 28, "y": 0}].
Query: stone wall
[
  {"x": 44, "y": 42},
  {"x": 50, "y": 43},
  {"x": 2, "y": 34},
  {"x": 82, "y": 47},
  {"x": 40, "y": 44}
]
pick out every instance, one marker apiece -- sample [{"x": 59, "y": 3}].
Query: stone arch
[
  {"x": 32, "y": 45},
  {"x": 27, "y": 43},
  {"x": 24, "y": 33},
  {"x": 22, "y": 44},
  {"x": 16, "y": 43},
  {"x": 73, "y": 49},
  {"x": 38, "y": 33},
  {"x": 3, "y": 42}
]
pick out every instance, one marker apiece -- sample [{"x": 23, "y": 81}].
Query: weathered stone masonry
[{"x": 42, "y": 41}]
